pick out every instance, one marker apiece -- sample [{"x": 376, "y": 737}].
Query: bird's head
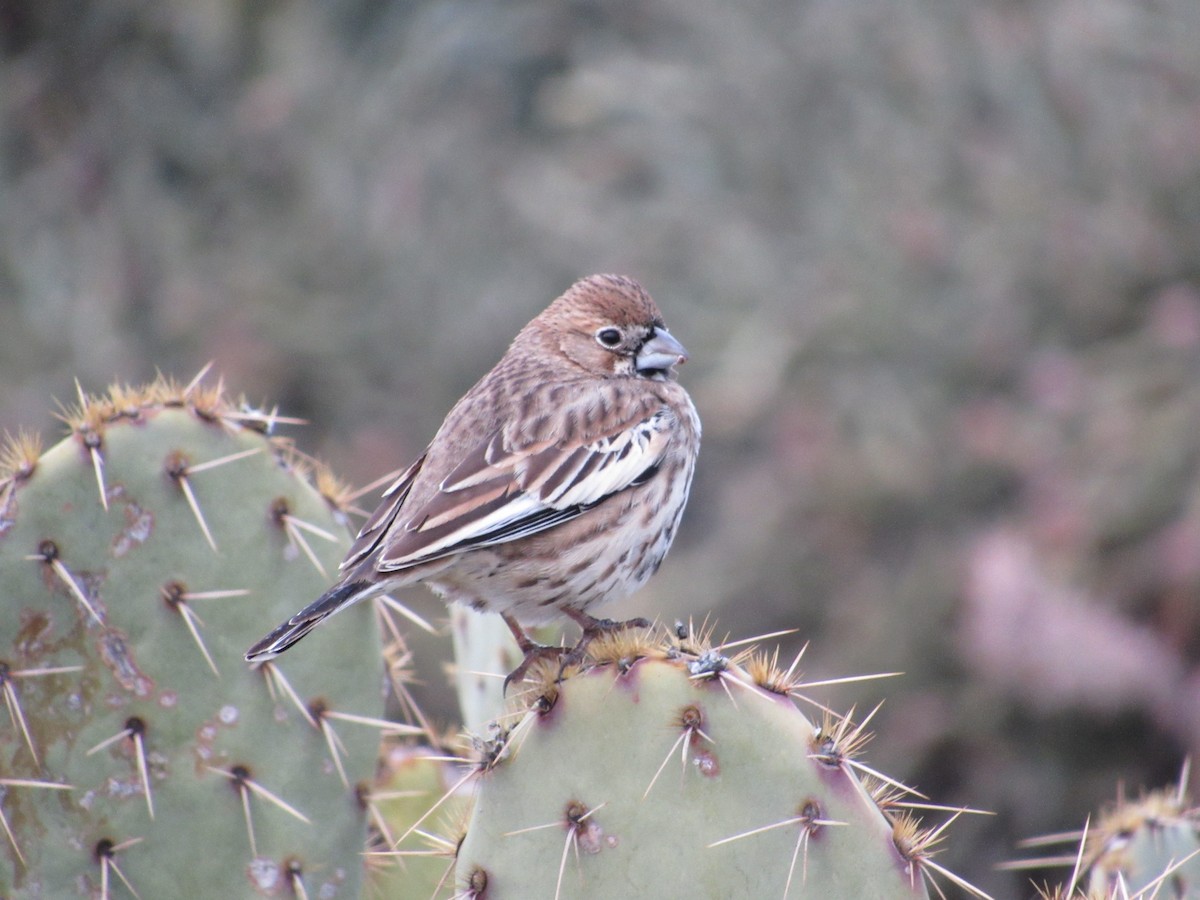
[{"x": 609, "y": 326}]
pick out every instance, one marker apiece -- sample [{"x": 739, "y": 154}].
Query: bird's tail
[{"x": 332, "y": 601}]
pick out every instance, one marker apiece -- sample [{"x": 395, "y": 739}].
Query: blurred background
[{"x": 937, "y": 264}]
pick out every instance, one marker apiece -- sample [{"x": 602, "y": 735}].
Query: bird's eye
[{"x": 608, "y": 337}]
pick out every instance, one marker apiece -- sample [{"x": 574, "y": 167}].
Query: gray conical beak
[{"x": 660, "y": 352}]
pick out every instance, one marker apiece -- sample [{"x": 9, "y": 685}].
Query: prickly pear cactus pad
[
  {"x": 410, "y": 780},
  {"x": 1138, "y": 850},
  {"x": 139, "y": 753},
  {"x": 1151, "y": 846},
  {"x": 667, "y": 769}
]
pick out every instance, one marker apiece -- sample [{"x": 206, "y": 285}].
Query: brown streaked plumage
[{"x": 555, "y": 484}]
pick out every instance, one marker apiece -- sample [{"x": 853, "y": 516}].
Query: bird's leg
[
  {"x": 592, "y": 629},
  {"x": 532, "y": 649}
]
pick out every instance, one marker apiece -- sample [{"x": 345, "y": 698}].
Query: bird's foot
[
  {"x": 567, "y": 657},
  {"x": 534, "y": 653},
  {"x": 592, "y": 629}
]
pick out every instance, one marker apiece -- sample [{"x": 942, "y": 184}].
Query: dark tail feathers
[{"x": 332, "y": 601}]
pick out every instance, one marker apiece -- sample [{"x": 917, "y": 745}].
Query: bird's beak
[{"x": 660, "y": 352}]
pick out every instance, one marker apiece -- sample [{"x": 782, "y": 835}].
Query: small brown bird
[{"x": 554, "y": 485}]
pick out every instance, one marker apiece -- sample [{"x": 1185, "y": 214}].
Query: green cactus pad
[
  {"x": 670, "y": 772},
  {"x": 1151, "y": 846},
  {"x": 407, "y": 863},
  {"x": 139, "y": 558}
]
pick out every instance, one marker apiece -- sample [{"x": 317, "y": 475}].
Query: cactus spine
[{"x": 138, "y": 559}]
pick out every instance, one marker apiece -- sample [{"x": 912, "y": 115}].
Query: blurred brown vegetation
[{"x": 937, "y": 263}]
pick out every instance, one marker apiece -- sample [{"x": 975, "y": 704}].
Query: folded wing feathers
[
  {"x": 524, "y": 493},
  {"x": 615, "y": 463},
  {"x": 376, "y": 526},
  {"x": 479, "y": 465}
]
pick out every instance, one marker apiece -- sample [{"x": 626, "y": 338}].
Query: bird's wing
[
  {"x": 376, "y": 527},
  {"x": 499, "y": 493}
]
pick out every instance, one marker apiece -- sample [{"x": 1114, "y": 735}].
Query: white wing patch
[
  {"x": 608, "y": 465},
  {"x": 514, "y": 495}
]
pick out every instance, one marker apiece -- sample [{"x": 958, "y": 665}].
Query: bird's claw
[
  {"x": 597, "y": 627},
  {"x": 592, "y": 629},
  {"x": 533, "y": 653},
  {"x": 567, "y": 657}
]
